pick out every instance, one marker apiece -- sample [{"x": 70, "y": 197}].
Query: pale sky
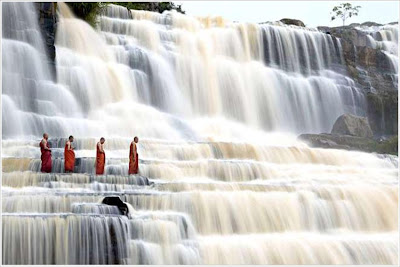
[{"x": 312, "y": 13}]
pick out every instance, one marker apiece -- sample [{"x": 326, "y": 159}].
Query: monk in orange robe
[
  {"x": 100, "y": 157},
  {"x": 46, "y": 154},
  {"x": 133, "y": 157},
  {"x": 69, "y": 155}
]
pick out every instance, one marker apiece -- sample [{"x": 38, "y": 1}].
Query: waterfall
[
  {"x": 270, "y": 77},
  {"x": 217, "y": 106}
]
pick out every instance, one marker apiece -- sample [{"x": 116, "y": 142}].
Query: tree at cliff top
[{"x": 344, "y": 11}]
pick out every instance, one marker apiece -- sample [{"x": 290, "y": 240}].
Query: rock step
[{"x": 36, "y": 178}]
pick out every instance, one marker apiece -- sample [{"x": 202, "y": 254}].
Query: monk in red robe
[
  {"x": 46, "y": 154},
  {"x": 69, "y": 155},
  {"x": 133, "y": 157},
  {"x": 100, "y": 157}
]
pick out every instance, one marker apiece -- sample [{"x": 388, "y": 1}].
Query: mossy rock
[
  {"x": 347, "y": 142},
  {"x": 383, "y": 112}
]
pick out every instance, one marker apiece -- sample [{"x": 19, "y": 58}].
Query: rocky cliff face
[
  {"x": 368, "y": 62},
  {"x": 382, "y": 112},
  {"x": 370, "y": 54},
  {"x": 371, "y": 58},
  {"x": 47, "y": 12}
]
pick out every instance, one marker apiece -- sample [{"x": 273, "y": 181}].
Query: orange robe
[
  {"x": 46, "y": 158},
  {"x": 69, "y": 159},
  {"x": 100, "y": 160},
  {"x": 133, "y": 163}
]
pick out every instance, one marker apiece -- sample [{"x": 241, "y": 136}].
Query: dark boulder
[
  {"x": 116, "y": 201},
  {"x": 295, "y": 22},
  {"x": 348, "y": 124}
]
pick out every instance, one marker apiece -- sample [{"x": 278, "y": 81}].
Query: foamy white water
[{"x": 217, "y": 106}]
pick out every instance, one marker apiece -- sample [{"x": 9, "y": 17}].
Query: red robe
[
  {"x": 46, "y": 158},
  {"x": 100, "y": 160},
  {"x": 133, "y": 164},
  {"x": 69, "y": 159}
]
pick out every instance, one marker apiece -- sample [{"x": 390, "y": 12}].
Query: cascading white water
[
  {"x": 220, "y": 183},
  {"x": 385, "y": 38}
]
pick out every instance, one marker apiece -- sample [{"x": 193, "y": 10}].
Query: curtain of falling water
[
  {"x": 271, "y": 77},
  {"x": 202, "y": 93}
]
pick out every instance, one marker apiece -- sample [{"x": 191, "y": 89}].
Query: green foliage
[
  {"x": 151, "y": 6},
  {"x": 87, "y": 11},
  {"x": 344, "y": 11}
]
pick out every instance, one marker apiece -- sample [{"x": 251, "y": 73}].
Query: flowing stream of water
[{"x": 217, "y": 107}]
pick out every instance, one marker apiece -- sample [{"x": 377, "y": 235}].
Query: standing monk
[
  {"x": 46, "y": 154},
  {"x": 133, "y": 157},
  {"x": 100, "y": 157},
  {"x": 69, "y": 155}
]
